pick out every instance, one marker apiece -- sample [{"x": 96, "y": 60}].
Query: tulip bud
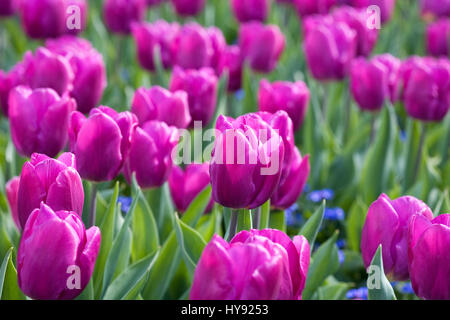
[
  {"x": 150, "y": 154},
  {"x": 101, "y": 142},
  {"x": 89, "y": 70},
  {"x": 52, "y": 181},
  {"x": 356, "y": 19},
  {"x": 329, "y": 47},
  {"x": 249, "y": 10},
  {"x": 39, "y": 120},
  {"x": 192, "y": 47},
  {"x": 7, "y": 8},
  {"x": 261, "y": 45},
  {"x": 231, "y": 63},
  {"x": 120, "y": 14},
  {"x": 160, "y": 104},
  {"x": 310, "y": 7},
  {"x": 12, "y": 188},
  {"x": 288, "y": 191},
  {"x": 66, "y": 259},
  {"x": 438, "y": 37},
  {"x": 282, "y": 95},
  {"x": 9, "y": 80},
  {"x": 43, "y": 18},
  {"x": 429, "y": 265},
  {"x": 201, "y": 88},
  {"x": 149, "y": 36},
  {"x": 435, "y": 8},
  {"x": 246, "y": 161},
  {"x": 186, "y": 185},
  {"x": 188, "y": 7},
  {"x": 427, "y": 91},
  {"x": 387, "y": 224},
  {"x": 255, "y": 265}
]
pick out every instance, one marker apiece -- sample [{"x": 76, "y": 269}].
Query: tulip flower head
[
  {"x": 12, "y": 188},
  {"x": 435, "y": 8},
  {"x": 188, "y": 7},
  {"x": 66, "y": 259},
  {"x": 387, "y": 223},
  {"x": 52, "y": 181},
  {"x": 438, "y": 38},
  {"x": 231, "y": 64},
  {"x": 120, "y": 14},
  {"x": 310, "y": 7},
  {"x": 250, "y": 10},
  {"x": 7, "y": 8}
]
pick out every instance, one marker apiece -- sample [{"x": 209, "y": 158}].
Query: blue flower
[
  {"x": 240, "y": 94},
  {"x": 407, "y": 288},
  {"x": 341, "y": 243},
  {"x": 293, "y": 216},
  {"x": 341, "y": 256},
  {"x": 403, "y": 135},
  {"x": 126, "y": 203},
  {"x": 319, "y": 195},
  {"x": 335, "y": 214},
  {"x": 360, "y": 294}
]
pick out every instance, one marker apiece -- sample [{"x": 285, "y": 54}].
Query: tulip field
[{"x": 225, "y": 150}]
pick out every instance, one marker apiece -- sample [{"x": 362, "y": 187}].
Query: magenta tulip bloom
[
  {"x": 246, "y": 161},
  {"x": 88, "y": 67},
  {"x": 261, "y": 45},
  {"x": 101, "y": 142},
  {"x": 255, "y": 265},
  {"x": 160, "y": 104},
  {"x": 9, "y": 80},
  {"x": 438, "y": 37},
  {"x": 185, "y": 185},
  {"x": 201, "y": 88},
  {"x": 386, "y": 7},
  {"x": 250, "y": 10},
  {"x": 151, "y": 3},
  {"x": 12, "y": 189},
  {"x": 387, "y": 224},
  {"x": 52, "y": 181},
  {"x": 192, "y": 47},
  {"x": 290, "y": 189},
  {"x": 436, "y": 8},
  {"x": 429, "y": 261},
  {"x": 43, "y": 18},
  {"x": 7, "y": 8},
  {"x": 393, "y": 65},
  {"x": 150, "y": 155},
  {"x": 427, "y": 91},
  {"x": 188, "y": 7},
  {"x": 288, "y": 96},
  {"x": 309, "y": 7},
  {"x": 356, "y": 19},
  {"x": 73, "y": 8},
  {"x": 120, "y": 14},
  {"x": 39, "y": 120},
  {"x": 231, "y": 64},
  {"x": 218, "y": 44},
  {"x": 66, "y": 259},
  {"x": 149, "y": 36},
  {"x": 329, "y": 47}
]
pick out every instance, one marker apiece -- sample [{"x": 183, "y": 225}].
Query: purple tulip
[
  {"x": 309, "y": 7},
  {"x": 12, "y": 188},
  {"x": 160, "y": 104},
  {"x": 438, "y": 37},
  {"x": 66, "y": 259},
  {"x": 246, "y": 161},
  {"x": 387, "y": 224},
  {"x": 386, "y": 7},
  {"x": 7, "y": 8},
  {"x": 255, "y": 265},
  {"x": 185, "y": 185},
  {"x": 250, "y": 10},
  {"x": 188, "y": 7},
  {"x": 120, "y": 14},
  {"x": 9, "y": 80},
  {"x": 89, "y": 70},
  {"x": 201, "y": 88},
  {"x": 356, "y": 19},
  {"x": 427, "y": 91},
  {"x": 231, "y": 64},
  {"x": 261, "y": 45},
  {"x": 39, "y": 120},
  {"x": 73, "y": 7},
  {"x": 150, "y": 154},
  {"x": 101, "y": 142},
  {"x": 192, "y": 47},
  {"x": 149, "y": 36},
  {"x": 429, "y": 261},
  {"x": 292, "y": 97},
  {"x": 52, "y": 181},
  {"x": 393, "y": 66},
  {"x": 219, "y": 45},
  {"x": 151, "y": 3},
  {"x": 435, "y": 8},
  {"x": 329, "y": 47},
  {"x": 290, "y": 189}
]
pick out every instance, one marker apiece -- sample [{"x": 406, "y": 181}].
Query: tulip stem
[
  {"x": 419, "y": 151},
  {"x": 92, "y": 204},
  {"x": 233, "y": 224},
  {"x": 372, "y": 127},
  {"x": 257, "y": 218}
]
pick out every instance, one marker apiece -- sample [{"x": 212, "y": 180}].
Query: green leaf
[
  {"x": 413, "y": 137},
  {"x": 355, "y": 222},
  {"x": 208, "y": 228},
  {"x": 88, "y": 292},
  {"x": 335, "y": 291},
  {"x": 378, "y": 285},
  {"x": 278, "y": 220},
  {"x": 249, "y": 103},
  {"x": 197, "y": 206},
  {"x": 265, "y": 215},
  {"x": 325, "y": 262},
  {"x": 9, "y": 288},
  {"x": 311, "y": 228},
  {"x": 130, "y": 280},
  {"x": 244, "y": 220}
]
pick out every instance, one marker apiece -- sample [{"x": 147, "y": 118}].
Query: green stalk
[
  {"x": 233, "y": 224},
  {"x": 92, "y": 205},
  {"x": 419, "y": 152}
]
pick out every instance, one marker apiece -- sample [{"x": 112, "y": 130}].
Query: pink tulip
[{"x": 12, "y": 188}]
